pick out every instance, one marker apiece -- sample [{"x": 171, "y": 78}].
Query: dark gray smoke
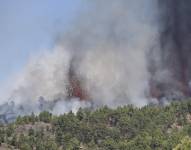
[
  {"x": 175, "y": 43},
  {"x": 117, "y": 52}
]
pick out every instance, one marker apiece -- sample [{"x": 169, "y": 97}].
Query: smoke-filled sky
[
  {"x": 111, "y": 52},
  {"x": 30, "y": 26}
]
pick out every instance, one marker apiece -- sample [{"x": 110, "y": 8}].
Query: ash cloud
[
  {"x": 116, "y": 53},
  {"x": 175, "y": 43}
]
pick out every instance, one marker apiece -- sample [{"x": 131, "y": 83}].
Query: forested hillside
[{"x": 124, "y": 128}]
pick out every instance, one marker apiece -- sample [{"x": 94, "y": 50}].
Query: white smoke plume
[{"x": 108, "y": 49}]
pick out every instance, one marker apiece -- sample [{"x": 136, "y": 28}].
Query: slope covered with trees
[{"x": 124, "y": 128}]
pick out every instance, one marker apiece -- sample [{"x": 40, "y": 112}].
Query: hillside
[{"x": 124, "y": 128}]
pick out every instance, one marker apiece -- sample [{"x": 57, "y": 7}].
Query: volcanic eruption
[{"x": 115, "y": 53}]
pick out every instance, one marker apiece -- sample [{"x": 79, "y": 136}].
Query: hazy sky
[{"x": 28, "y": 26}]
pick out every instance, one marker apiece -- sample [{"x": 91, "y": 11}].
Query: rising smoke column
[
  {"x": 106, "y": 53},
  {"x": 176, "y": 42},
  {"x": 111, "y": 46}
]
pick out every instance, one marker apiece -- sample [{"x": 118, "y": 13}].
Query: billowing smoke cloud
[
  {"x": 175, "y": 52},
  {"x": 110, "y": 48},
  {"x": 117, "y": 52}
]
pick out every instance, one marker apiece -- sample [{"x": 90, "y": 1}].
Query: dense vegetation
[{"x": 124, "y": 128}]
